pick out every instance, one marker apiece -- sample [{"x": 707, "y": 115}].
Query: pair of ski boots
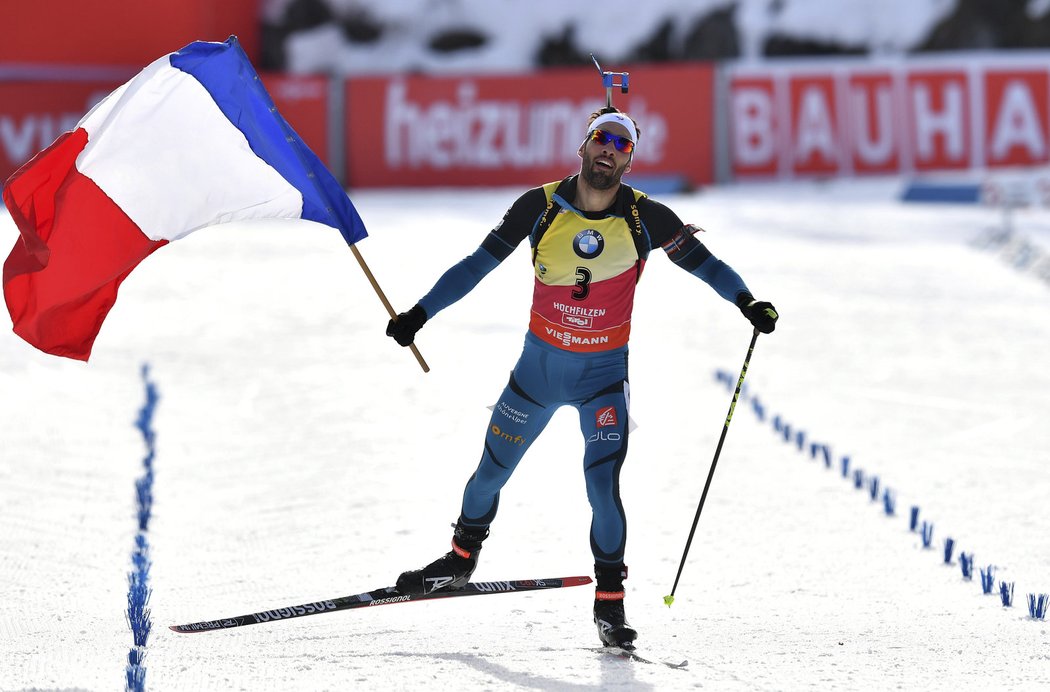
[{"x": 453, "y": 570}]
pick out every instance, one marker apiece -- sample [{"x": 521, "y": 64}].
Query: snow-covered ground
[{"x": 301, "y": 455}]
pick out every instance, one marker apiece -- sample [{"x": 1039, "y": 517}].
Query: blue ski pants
[{"x": 544, "y": 379}]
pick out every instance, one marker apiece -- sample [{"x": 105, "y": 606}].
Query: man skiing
[{"x": 590, "y": 236}]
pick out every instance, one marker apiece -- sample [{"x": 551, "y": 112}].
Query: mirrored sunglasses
[{"x": 623, "y": 144}]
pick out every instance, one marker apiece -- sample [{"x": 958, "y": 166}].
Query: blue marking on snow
[
  {"x": 138, "y": 612},
  {"x": 1037, "y": 603}
]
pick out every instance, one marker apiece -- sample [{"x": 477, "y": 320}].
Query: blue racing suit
[{"x": 586, "y": 267}]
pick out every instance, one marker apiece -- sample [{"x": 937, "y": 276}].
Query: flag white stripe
[{"x": 162, "y": 150}]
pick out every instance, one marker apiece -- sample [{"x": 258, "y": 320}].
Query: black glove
[
  {"x": 762, "y": 315},
  {"x": 404, "y": 328}
]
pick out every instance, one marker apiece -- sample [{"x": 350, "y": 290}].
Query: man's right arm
[{"x": 461, "y": 278}]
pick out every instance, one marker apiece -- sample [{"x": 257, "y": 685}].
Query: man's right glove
[
  {"x": 404, "y": 328},
  {"x": 762, "y": 315}
]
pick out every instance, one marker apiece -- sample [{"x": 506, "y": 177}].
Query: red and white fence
[{"x": 700, "y": 123}]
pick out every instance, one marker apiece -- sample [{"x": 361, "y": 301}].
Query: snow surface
[
  {"x": 612, "y": 30},
  {"x": 301, "y": 456}
]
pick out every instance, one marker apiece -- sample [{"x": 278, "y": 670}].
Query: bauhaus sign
[{"x": 835, "y": 118}]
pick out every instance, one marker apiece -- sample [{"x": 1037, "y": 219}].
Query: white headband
[{"x": 619, "y": 119}]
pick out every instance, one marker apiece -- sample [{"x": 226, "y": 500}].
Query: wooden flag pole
[{"x": 386, "y": 303}]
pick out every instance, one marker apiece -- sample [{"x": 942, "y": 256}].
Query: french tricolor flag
[{"x": 192, "y": 141}]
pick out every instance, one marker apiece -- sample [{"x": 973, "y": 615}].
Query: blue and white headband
[{"x": 619, "y": 119}]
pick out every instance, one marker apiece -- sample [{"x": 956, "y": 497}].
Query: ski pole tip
[{"x": 668, "y": 600}]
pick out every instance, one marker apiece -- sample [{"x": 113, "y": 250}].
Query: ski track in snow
[{"x": 301, "y": 456}]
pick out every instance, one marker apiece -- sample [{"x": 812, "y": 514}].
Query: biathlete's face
[{"x": 604, "y": 158}]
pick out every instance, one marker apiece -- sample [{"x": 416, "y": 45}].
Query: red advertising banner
[
  {"x": 522, "y": 129},
  {"x": 34, "y": 114},
  {"x": 75, "y": 33},
  {"x": 874, "y": 137},
  {"x": 1016, "y": 132},
  {"x": 841, "y": 117},
  {"x": 303, "y": 101},
  {"x": 817, "y": 125},
  {"x": 938, "y": 106},
  {"x": 755, "y": 121}
]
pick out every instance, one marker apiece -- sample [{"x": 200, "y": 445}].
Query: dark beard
[{"x": 600, "y": 179}]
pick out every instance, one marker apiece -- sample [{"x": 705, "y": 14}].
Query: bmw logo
[{"x": 588, "y": 244}]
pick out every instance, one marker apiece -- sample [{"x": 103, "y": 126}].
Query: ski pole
[{"x": 669, "y": 599}]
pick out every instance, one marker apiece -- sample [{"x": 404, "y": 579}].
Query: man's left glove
[
  {"x": 762, "y": 315},
  {"x": 404, "y": 328}
]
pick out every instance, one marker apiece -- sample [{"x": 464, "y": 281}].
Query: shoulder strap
[
  {"x": 629, "y": 200},
  {"x": 549, "y": 214}
]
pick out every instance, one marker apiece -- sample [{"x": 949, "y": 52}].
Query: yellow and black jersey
[{"x": 587, "y": 264}]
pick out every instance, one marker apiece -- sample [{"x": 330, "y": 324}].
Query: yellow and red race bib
[{"x": 586, "y": 271}]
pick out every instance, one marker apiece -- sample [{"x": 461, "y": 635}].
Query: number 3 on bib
[{"x": 583, "y": 283}]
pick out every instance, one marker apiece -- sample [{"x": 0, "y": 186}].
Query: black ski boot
[
  {"x": 452, "y": 570},
  {"x": 609, "y": 616}
]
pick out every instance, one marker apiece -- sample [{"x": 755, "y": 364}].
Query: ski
[
  {"x": 384, "y": 596},
  {"x": 631, "y": 654}
]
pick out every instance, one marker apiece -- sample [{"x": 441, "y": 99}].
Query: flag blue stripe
[{"x": 226, "y": 73}]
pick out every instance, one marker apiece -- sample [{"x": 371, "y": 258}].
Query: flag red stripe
[{"x": 76, "y": 247}]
